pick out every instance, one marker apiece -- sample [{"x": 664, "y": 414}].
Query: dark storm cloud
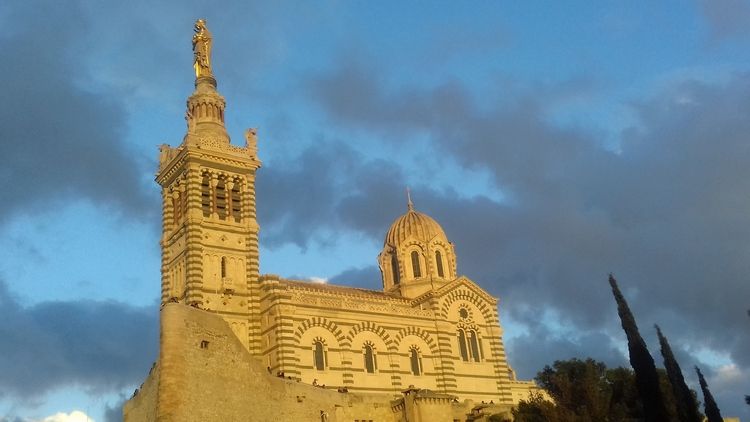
[
  {"x": 102, "y": 346},
  {"x": 358, "y": 277},
  {"x": 296, "y": 197},
  {"x": 531, "y": 350},
  {"x": 669, "y": 213},
  {"x": 327, "y": 187},
  {"x": 60, "y": 141}
]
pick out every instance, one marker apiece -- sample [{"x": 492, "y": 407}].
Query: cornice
[
  {"x": 232, "y": 156},
  {"x": 461, "y": 281}
]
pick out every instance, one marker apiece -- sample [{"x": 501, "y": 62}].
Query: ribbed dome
[{"x": 416, "y": 224}]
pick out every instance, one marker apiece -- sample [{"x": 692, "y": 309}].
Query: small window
[
  {"x": 462, "y": 345},
  {"x": 415, "y": 264},
  {"x": 221, "y": 198},
  {"x": 223, "y": 267},
  {"x": 236, "y": 208},
  {"x": 474, "y": 346},
  {"x": 416, "y": 362},
  {"x": 370, "y": 360},
  {"x": 319, "y": 356},
  {"x": 206, "y": 195},
  {"x": 394, "y": 269},
  {"x": 439, "y": 263},
  {"x": 204, "y": 344},
  {"x": 463, "y": 313}
]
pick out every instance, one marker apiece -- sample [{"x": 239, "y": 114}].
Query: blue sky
[{"x": 554, "y": 141}]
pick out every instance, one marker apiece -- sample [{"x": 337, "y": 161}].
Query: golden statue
[{"x": 202, "y": 49}]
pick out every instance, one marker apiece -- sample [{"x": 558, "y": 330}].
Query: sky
[{"x": 555, "y": 142}]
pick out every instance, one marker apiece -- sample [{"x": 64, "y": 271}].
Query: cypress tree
[
  {"x": 687, "y": 407},
  {"x": 646, "y": 377},
  {"x": 709, "y": 404}
]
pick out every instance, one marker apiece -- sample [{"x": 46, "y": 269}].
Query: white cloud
[
  {"x": 74, "y": 416},
  {"x": 728, "y": 377},
  {"x": 319, "y": 280}
]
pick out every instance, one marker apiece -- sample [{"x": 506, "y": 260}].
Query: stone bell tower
[{"x": 209, "y": 237}]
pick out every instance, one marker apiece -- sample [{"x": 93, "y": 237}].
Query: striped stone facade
[
  {"x": 297, "y": 314},
  {"x": 429, "y": 327},
  {"x": 210, "y": 232}
]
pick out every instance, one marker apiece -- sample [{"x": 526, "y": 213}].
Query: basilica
[{"x": 239, "y": 345}]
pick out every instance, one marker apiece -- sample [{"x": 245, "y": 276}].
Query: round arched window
[
  {"x": 371, "y": 362},
  {"x": 439, "y": 263},
  {"x": 415, "y": 264},
  {"x": 319, "y": 360},
  {"x": 415, "y": 361}
]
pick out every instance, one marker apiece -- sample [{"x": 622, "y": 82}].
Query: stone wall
[
  {"x": 142, "y": 406},
  {"x": 205, "y": 374}
]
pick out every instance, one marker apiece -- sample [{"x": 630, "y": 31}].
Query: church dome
[
  {"x": 413, "y": 224},
  {"x": 416, "y": 255}
]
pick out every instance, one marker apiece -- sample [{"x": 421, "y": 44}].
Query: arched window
[
  {"x": 416, "y": 361},
  {"x": 221, "y": 198},
  {"x": 394, "y": 269},
  {"x": 206, "y": 195},
  {"x": 439, "y": 263},
  {"x": 223, "y": 267},
  {"x": 415, "y": 264},
  {"x": 236, "y": 203},
  {"x": 471, "y": 347},
  {"x": 319, "y": 359},
  {"x": 371, "y": 363},
  {"x": 462, "y": 345},
  {"x": 475, "y": 351},
  {"x": 463, "y": 313}
]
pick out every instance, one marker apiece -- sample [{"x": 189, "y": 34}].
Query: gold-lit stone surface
[{"x": 428, "y": 347}]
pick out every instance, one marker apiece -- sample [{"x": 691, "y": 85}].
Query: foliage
[
  {"x": 685, "y": 403},
  {"x": 498, "y": 417},
  {"x": 588, "y": 391},
  {"x": 647, "y": 379},
  {"x": 537, "y": 409},
  {"x": 582, "y": 391},
  {"x": 579, "y": 386},
  {"x": 709, "y": 404},
  {"x": 624, "y": 403}
]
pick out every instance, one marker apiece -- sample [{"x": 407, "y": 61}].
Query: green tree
[
  {"x": 498, "y": 417},
  {"x": 625, "y": 403},
  {"x": 709, "y": 404},
  {"x": 537, "y": 409},
  {"x": 685, "y": 403},
  {"x": 646, "y": 377},
  {"x": 583, "y": 391},
  {"x": 579, "y": 386},
  {"x": 586, "y": 390}
]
